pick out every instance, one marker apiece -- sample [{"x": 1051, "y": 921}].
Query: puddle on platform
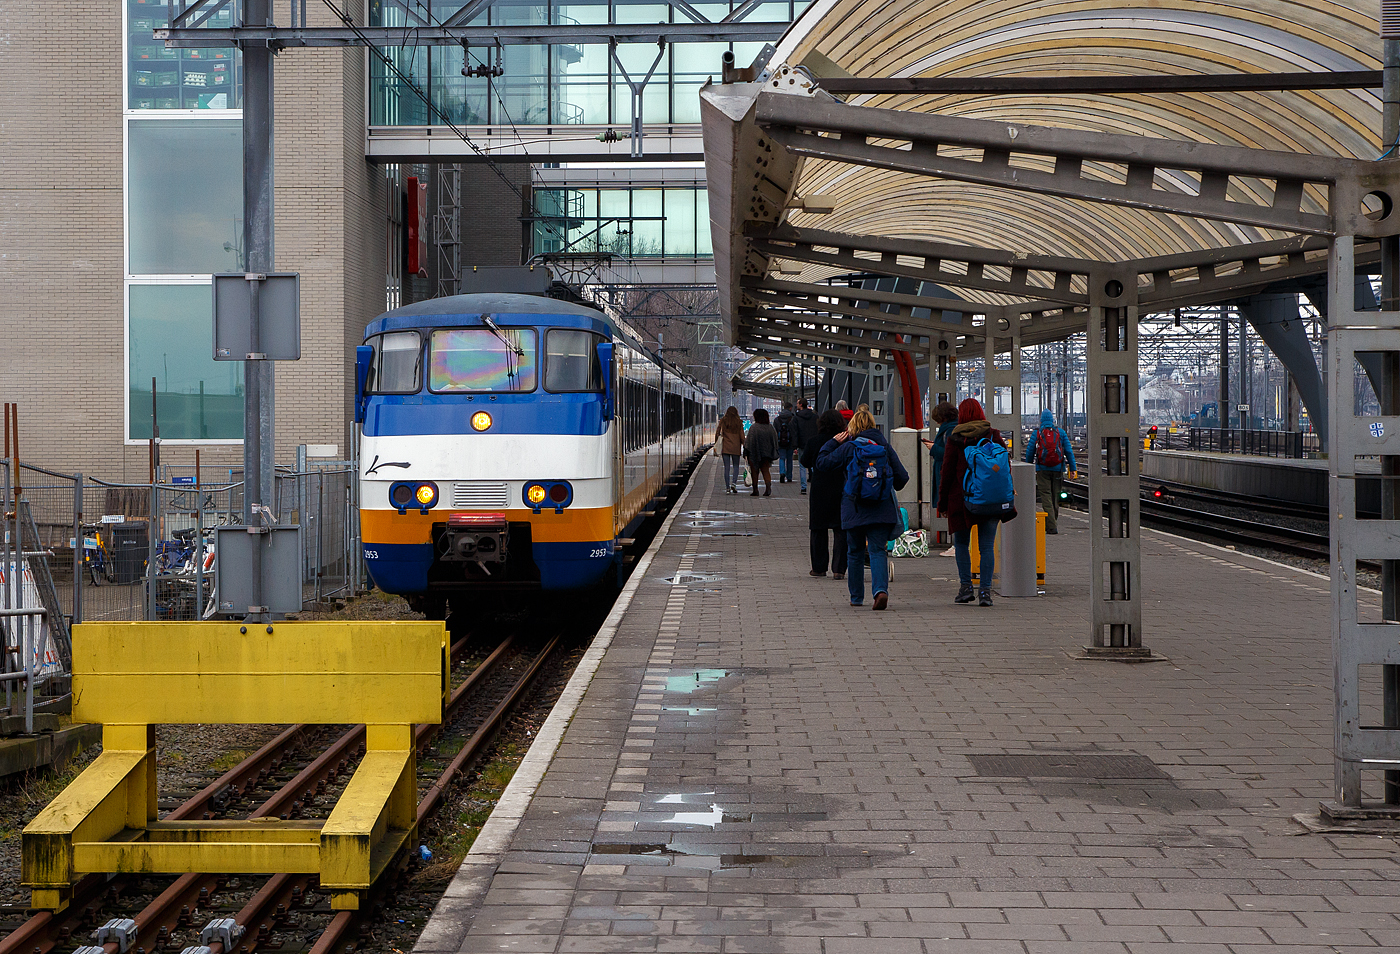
[
  {"x": 717, "y": 515},
  {"x": 689, "y": 579},
  {"x": 689, "y": 710},
  {"x": 692, "y": 681}
]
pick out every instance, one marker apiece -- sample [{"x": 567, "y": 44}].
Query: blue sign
[
  {"x": 182, "y": 480},
  {"x": 1377, "y": 429}
]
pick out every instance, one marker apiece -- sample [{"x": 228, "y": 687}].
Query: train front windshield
[{"x": 472, "y": 359}]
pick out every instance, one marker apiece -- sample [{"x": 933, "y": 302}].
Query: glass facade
[
  {"x": 171, "y": 343},
  {"x": 551, "y": 85},
  {"x": 633, "y": 223},
  {"x": 184, "y": 196},
  {"x": 158, "y": 78},
  {"x": 184, "y": 222}
]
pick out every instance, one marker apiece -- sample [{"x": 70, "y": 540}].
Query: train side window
[
  {"x": 398, "y": 359},
  {"x": 571, "y": 361}
]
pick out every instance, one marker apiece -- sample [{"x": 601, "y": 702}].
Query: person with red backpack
[{"x": 1049, "y": 450}]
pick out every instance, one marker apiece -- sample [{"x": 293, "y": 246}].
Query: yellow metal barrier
[
  {"x": 1039, "y": 551},
  {"x": 131, "y": 676}
]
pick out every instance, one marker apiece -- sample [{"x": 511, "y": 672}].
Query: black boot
[
  {"x": 984, "y": 598},
  {"x": 965, "y": 594}
]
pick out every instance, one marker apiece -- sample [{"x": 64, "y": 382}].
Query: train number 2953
[
  {"x": 598, "y": 552},
  {"x": 371, "y": 554}
]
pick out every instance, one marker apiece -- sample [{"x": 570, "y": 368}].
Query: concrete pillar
[{"x": 1112, "y": 465}]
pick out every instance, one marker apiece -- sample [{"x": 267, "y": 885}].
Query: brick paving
[{"x": 759, "y": 767}]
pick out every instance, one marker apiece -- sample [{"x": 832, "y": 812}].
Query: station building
[{"x": 123, "y": 196}]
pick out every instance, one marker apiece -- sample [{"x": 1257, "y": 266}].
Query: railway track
[
  {"x": 1219, "y": 527},
  {"x": 475, "y": 711}
]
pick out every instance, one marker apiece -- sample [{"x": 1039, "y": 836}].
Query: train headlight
[
  {"x": 481, "y": 421},
  {"x": 426, "y": 495},
  {"x": 422, "y": 495},
  {"x": 535, "y": 494},
  {"x": 401, "y": 495}
]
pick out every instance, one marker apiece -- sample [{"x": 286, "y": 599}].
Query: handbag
[{"x": 910, "y": 543}]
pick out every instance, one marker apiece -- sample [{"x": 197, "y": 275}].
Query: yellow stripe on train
[{"x": 574, "y": 525}]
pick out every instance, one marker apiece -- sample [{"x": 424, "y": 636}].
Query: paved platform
[{"x": 756, "y": 766}]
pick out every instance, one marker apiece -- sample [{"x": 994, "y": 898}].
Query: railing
[{"x": 1238, "y": 440}]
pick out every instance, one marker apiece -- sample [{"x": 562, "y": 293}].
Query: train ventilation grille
[{"x": 480, "y": 493}]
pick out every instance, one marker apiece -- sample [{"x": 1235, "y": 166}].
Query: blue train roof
[{"x": 431, "y": 312}]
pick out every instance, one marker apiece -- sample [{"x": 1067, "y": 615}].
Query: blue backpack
[
  {"x": 869, "y": 478},
  {"x": 987, "y": 484}
]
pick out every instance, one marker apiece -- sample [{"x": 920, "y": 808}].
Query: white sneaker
[{"x": 951, "y": 551}]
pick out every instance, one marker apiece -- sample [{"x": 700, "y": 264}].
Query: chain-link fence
[{"x": 122, "y": 551}]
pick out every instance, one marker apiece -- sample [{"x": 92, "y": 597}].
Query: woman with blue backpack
[
  {"x": 869, "y": 513},
  {"x": 973, "y": 448}
]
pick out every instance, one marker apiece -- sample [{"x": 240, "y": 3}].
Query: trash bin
[{"x": 129, "y": 551}]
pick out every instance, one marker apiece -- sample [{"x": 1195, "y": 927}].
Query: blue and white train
[{"x": 509, "y": 442}]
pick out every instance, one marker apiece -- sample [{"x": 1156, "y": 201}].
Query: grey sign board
[
  {"x": 281, "y": 569},
  {"x": 279, "y": 317}
]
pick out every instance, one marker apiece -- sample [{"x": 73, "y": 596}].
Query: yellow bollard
[{"x": 974, "y": 552}]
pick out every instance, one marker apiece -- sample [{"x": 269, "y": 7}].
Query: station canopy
[{"x": 806, "y": 184}]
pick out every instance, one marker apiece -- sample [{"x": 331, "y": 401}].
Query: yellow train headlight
[
  {"x": 536, "y": 494},
  {"x": 481, "y": 421},
  {"x": 426, "y": 494}
]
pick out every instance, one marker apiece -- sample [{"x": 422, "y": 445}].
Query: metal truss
[
  {"x": 506, "y": 35},
  {"x": 447, "y": 225},
  {"x": 1159, "y": 175}
]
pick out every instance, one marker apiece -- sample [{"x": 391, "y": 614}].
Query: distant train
[{"x": 509, "y": 442}]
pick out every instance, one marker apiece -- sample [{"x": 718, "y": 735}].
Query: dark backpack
[
  {"x": 987, "y": 484},
  {"x": 1049, "y": 451},
  {"x": 869, "y": 478},
  {"x": 784, "y": 432}
]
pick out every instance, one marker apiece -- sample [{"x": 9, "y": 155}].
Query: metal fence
[
  {"x": 1237, "y": 440},
  {"x": 123, "y": 551}
]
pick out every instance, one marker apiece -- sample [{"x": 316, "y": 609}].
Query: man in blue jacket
[{"x": 1049, "y": 450}]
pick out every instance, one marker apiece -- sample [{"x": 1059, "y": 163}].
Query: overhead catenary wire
[{"x": 349, "y": 23}]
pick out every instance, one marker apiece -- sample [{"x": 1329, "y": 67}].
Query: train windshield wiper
[{"x": 514, "y": 351}]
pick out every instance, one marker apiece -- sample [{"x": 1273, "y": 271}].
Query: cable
[{"x": 427, "y": 100}]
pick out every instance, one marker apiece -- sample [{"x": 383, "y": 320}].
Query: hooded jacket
[
  {"x": 761, "y": 444},
  {"x": 1047, "y": 422},
  {"x": 971, "y": 429},
  {"x": 834, "y": 456}
]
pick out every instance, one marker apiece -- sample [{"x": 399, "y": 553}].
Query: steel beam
[
  {"x": 1074, "y": 164},
  {"x": 572, "y": 35},
  {"x": 1003, "y": 334},
  {"x": 1112, "y": 85}
]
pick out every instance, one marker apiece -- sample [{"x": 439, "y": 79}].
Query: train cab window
[
  {"x": 571, "y": 361},
  {"x": 482, "y": 359},
  {"x": 397, "y": 358}
]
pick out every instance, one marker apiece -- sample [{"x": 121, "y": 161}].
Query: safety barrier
[{"x": 130, "y": 677}]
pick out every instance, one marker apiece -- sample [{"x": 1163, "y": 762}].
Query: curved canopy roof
[{"x": 1037, "y": 39}]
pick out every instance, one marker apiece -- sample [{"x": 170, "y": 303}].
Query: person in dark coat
[
  {"x": 868, "y": 526},
  {"x": 761, "y": 449},
  {"x": 946, "y": 417},
  {"x": 804, "y": 421},
  {"x": 971, "y": 429},
  {"x": 824, "y": 504},
  {"x": 787, "y": 442}
]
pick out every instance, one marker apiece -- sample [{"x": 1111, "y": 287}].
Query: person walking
[
  {"x": 783, "y": 425},
  {"x": 871, "y": 472},
  {"x": 729, "y": 443},
  {"x": 804, "y": 422},
  {"x": 1049, "y": 450},
  {"x": 845, "y": 410},
  {"x": 824, "y": 503},
  {"x": 761, "y": 449},
  {"x": 971, "y": 429},
  {"x": 946, "y": 417}
]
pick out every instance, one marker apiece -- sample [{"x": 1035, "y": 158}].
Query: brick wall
[{"x": 61, "y": 223}]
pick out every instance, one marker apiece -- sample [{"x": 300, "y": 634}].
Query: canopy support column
[{"x": 1112, "y": 465}]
